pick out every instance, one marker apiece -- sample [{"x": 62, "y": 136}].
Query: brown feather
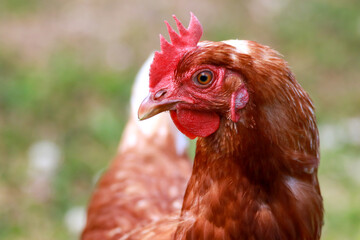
[
  {"x": 142, "y": 185},
  {"x": 252, "y": 179},
  {"x": 258, "y": 174}
]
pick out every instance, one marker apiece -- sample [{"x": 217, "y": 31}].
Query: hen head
[{"x": 203, "y": 83}]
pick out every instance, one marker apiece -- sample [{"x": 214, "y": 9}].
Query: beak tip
[
  {"x": 142, "y": 115},
  {"x": 143, "y": 112}
]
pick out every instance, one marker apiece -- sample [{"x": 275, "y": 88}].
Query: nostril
[{"x": 159, "y": 94}]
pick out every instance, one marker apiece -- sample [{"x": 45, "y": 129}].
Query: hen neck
[{"x": 234, "y": 178}]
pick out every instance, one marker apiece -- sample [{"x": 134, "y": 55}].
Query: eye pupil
[{"x": 203, "y": 78}]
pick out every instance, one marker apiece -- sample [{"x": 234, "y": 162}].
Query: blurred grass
[
  {"x": 18, "y": 6},
  {"x": 340, "y": 192},
  {"x": 76, "y": 101},
  {"x": 82, "y": 110}
]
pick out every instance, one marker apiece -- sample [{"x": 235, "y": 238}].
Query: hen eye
[{"x": 204, "y": 77}]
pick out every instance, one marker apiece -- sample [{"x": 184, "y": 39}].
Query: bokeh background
[{"x": 66, "y": 68}]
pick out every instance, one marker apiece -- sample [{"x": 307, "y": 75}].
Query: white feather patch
[
  {"x": 158, "y": 125},
  {"x": 241, "y": 46}
]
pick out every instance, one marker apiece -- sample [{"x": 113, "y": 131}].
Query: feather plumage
[
  {"x": 146, "y": 180},
  {"x": 254, "y": 173},
  {"x": 255, "y": 169}
]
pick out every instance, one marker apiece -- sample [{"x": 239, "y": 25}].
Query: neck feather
[
  {"x": 240, "y": 176},
  {"x": 241, "y": 148}
]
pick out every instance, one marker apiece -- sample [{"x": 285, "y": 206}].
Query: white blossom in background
[
  {"x": 353, "y": 125},
  {"x": 75, "y": 219},
  {"x": 331, "y": 136},
  {"x": 44, "y": 158},
  {"x": 337, "y": 135}
]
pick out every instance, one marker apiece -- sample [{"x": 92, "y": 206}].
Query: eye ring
[{"x": 203, "y": 78}]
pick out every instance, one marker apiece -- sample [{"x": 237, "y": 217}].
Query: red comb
[{"x": 166, "y": 60}]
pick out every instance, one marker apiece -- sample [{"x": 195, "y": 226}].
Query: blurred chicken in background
[{"x": 147, "y": 179}]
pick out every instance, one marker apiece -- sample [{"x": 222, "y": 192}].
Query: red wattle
[{"x": 195, "y": 123}]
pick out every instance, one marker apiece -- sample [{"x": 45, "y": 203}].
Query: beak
[{"x": 150, "y": 107}]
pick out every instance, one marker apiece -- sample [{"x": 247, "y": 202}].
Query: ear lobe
[{"x": 239, "y": 100}]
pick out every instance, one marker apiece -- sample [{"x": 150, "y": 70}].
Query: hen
[
  {"x": 257, "y": 154},
  {"x": 147, "y": 179}
]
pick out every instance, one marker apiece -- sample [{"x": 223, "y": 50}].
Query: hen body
[
  {"x": 257, "y": 154},
  {"x": 146, "y": 181}
]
